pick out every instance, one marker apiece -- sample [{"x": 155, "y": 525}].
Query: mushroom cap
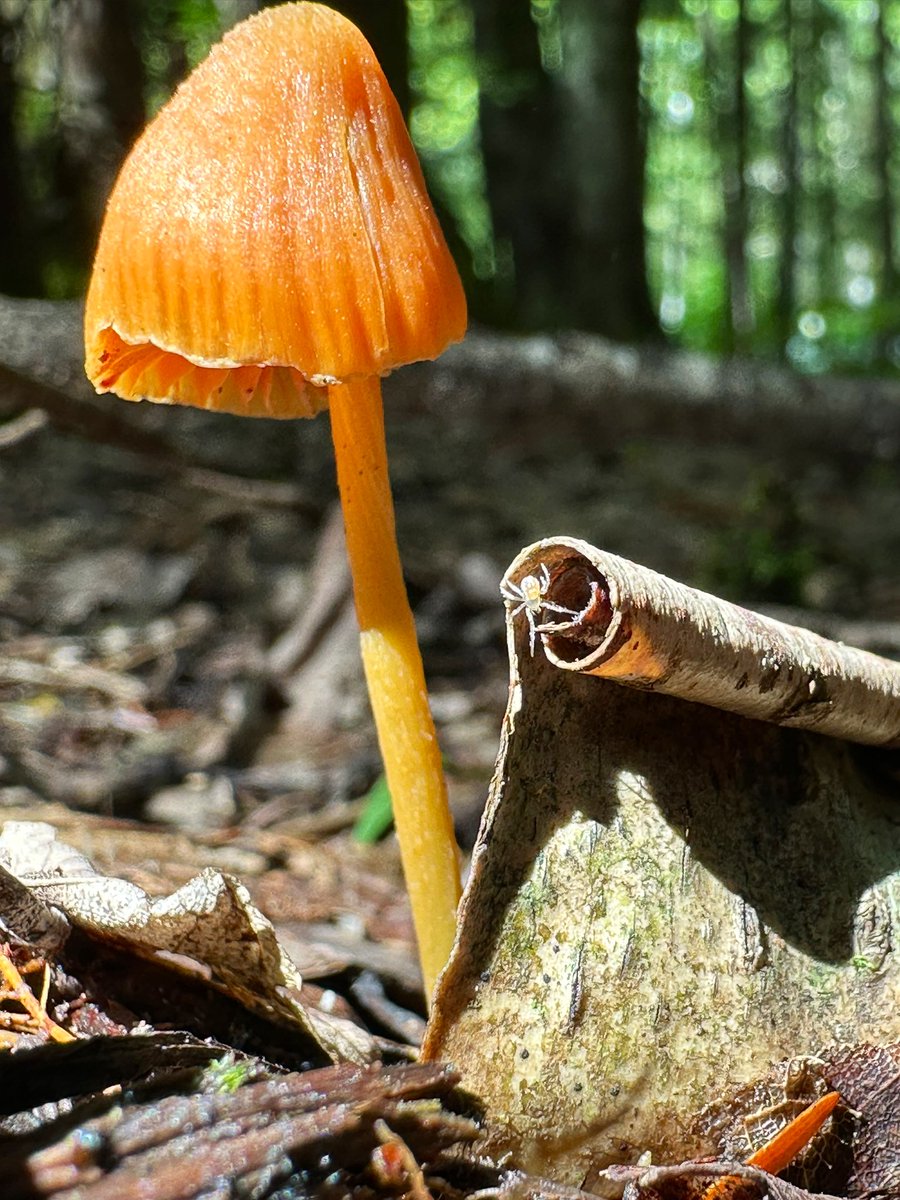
[{"x": 270, "y": 232}]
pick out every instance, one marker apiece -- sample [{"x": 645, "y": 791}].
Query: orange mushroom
[
  {"x": 269, "y": 249},
  {"x": 780, "y": 1150}
]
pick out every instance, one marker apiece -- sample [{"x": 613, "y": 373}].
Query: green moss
[
  {"x": 860, "y": 963},
  {"x": 227, "y": 1074}
]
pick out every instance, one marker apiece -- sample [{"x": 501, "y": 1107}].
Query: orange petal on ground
[{"x": 781, "y": 1150}]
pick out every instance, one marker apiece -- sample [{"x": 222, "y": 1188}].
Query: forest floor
[
  {"x": 179, "y": 676},
  {"x": 178, "y": 634}
]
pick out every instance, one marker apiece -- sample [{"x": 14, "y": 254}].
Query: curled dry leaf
[
  {"x": 640, "y": 628},
  {"x": 666, "y": 898},
  {"x": 869, "y": 1081},
  {"x": 691, "y": 1181},
  {"x": 210, "y": 920}
]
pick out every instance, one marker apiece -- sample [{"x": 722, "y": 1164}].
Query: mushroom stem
[{"x": 394, "y": 673}]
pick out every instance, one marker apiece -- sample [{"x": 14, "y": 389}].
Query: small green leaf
[{"x": 377, "y": 815}]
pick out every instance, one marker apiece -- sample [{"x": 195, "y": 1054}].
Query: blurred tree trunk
[
  {"x": 823, "y": 167},
  {"x": 19, "y": 274},
  {"x": 101, "y": 111},
  {"x": 518, "y": 114},
  {"x": 739, "y": 299},
  {"x": 563, "y": 149},
  {"x": 884, "y": 139},
  {"x": 604, "y": 277},
  {"x": 727, "y": 61},
  {"x": 785, "y": 301}
]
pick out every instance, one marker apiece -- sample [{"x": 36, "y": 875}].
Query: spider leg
[
  {"x": 515, "y": 612},
  {"x": 532, "y": 628},
  {"x": 529, "y": 616},
  {"x": 559, "y": 608},
  {"x": 555, "y": 626},
  {"x": 511, "y": 591}
]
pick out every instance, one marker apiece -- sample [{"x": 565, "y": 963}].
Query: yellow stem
[{"x": 394, "y": 674}]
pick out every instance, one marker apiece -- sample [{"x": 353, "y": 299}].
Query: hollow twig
[{"x": 649, "y": 632}]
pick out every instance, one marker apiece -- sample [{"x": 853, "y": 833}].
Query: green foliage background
[{"x": 770, "y": 169}]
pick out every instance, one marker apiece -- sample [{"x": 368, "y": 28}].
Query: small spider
[{"x": 529, "y": 597}]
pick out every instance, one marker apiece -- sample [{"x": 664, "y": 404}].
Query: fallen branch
[
  {"x": 509, "y": 378},
  {"x": 99, "y": 422},
  {"x": 642, "y": 629}
]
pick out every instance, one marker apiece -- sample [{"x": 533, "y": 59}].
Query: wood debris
[
  {"x": 667, "y": 898},
  {"x": 289, "y": 1136}
]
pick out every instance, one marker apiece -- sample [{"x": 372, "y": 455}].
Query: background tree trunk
[
  {"x": 825, "y": 195},
  {"x": 770, "y": 166},
  {"x": 603, "y": 282},
  {"x": 18, "y": 265},
  {"x": 518, "y": 112},
  {"x": 101, "y": 111},
  {"x": 786, "y": 299},
  {"x": 734, "y": 137},
  {"x": 884, "y": 139}
]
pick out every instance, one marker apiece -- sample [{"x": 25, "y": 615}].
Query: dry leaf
[
  {"x": 210, "y": 920},
  {"x": 868, "y": 1078},
  {"x": 691, "y": 1181}
]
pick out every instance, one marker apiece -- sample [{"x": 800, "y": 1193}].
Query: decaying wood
[
  {"x": 666, "y": 899},
  {"x": 645, "y": 630},
  {"x": 101, "y": 424},
  {"x": 43, "y": 1076},
  {"x": 256, "y": 1137}
]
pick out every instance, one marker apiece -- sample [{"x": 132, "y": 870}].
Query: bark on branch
[
  {"x": 645, "y": 630},
  {"x": 667, "y": 901}
]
